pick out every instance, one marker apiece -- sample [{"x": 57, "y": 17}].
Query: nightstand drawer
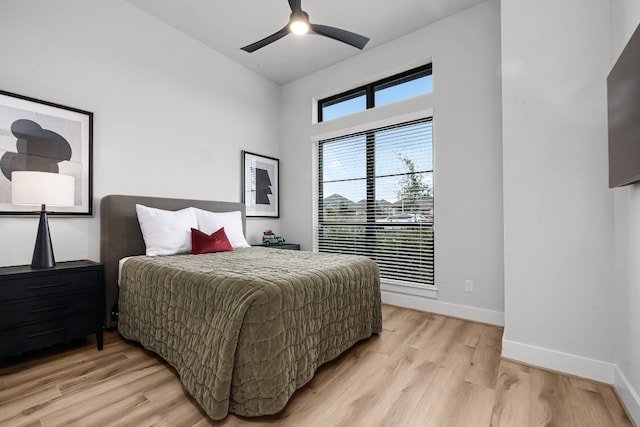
[
  {"x": 30, "y": 337},
  {"x": 34, "y": 286},
  {"x": 39, "y": 309}
]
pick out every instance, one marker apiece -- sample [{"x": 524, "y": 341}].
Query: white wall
[
  {"x": 465, "y": 49},
  {"x": 171, "y": 115},
  {"x": 558, "y": 216},
  {"x": 626, "y": 17}
]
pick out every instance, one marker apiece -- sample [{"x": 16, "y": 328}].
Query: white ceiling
[{"x": 226, "y": 26}]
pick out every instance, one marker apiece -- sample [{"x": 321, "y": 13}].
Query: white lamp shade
[{"x": 42, "y": 188}]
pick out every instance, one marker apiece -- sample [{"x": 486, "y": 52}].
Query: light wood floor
[{"x": 423, "y": 370}]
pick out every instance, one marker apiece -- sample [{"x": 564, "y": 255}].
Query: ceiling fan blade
[
  {"x": 353, "y": 39},
  {"x": 295, "y": 5},
  {"x": 267, "y": 40}
]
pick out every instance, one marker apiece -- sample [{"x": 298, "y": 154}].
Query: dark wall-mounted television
[{"x": 623, "y": 98}]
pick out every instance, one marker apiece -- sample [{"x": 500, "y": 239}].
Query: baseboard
[
  {"x": 434, "y": 306},
  {"x": 558, "y": 361},
  {"x": 628, "y": 394}
]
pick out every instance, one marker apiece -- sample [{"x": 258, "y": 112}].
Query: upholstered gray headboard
[{"x": 120, "y": 234}]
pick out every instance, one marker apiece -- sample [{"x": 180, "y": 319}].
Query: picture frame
[
  {"x": 47, "y": 137},
  {"x": 261, "y": 185}
]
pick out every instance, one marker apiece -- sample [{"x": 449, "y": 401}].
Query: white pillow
[
  {"x": 210, "y": 222},
  {"x": 166, "y": 232}
]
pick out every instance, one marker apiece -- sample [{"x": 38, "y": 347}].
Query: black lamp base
[{"x": 43, "y": 251}]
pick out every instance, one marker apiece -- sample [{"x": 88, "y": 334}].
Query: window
[
  {"x": 417, "y": 81},
  {"x": 400, "y": 89},
  {"x": 344, "y": 105},
  {"x": 375, "y": 198}
]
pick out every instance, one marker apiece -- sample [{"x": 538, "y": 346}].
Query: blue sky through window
[
  {"x": 403, "y": 91},
  {"x": 344, "y": 108}
]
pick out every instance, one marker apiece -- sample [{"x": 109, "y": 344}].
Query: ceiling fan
[{"x": 299, "y": 24}]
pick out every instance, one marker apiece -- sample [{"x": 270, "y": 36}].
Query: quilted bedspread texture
[{"x": 246, "y": 329}]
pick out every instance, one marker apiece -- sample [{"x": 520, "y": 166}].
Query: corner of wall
[{"x": 627, "y": 394}]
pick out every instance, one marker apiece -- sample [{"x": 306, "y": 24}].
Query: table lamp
[{"x": 42, "y": 188}]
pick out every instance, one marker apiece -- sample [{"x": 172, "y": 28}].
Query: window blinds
[{"x": 375, "y": 199}]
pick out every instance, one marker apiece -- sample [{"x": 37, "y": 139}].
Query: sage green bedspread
[{"x": 246, "y": 329}]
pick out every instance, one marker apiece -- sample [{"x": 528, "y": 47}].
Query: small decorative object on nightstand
[
  {"x": 269, "y": 238},
  {"x": 42, "y": 307}
]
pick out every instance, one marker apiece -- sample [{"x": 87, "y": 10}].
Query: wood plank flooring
[{"x": 423, "y": 370}]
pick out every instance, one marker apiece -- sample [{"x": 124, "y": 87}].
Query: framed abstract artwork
[
  {"x": 42, "y": 136},
  {"x": 260, "y": 185}
]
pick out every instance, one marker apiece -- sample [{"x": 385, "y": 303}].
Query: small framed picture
[
  {"x": 41, "y": 136},
  {"x": 260, "y": 185}
]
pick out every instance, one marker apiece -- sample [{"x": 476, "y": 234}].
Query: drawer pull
[
  {"x": 52, "y": 308},
  {"x": 48, "y": 285},
  {"x": 51, "y": 331}
]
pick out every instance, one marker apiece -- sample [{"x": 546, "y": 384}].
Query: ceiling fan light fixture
[
  {"x": 299, "y": 27},
  {"x": 299, "y": 24}
]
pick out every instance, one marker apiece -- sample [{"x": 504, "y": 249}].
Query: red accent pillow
[{"x": 202, "y": 243}]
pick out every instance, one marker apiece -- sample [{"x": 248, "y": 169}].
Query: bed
[{"x": 243, "y": 329}]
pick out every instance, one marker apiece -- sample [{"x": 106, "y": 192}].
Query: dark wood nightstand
[
  {"x": 42, "y": 307},
  {"x": 290, "y": 246}
]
